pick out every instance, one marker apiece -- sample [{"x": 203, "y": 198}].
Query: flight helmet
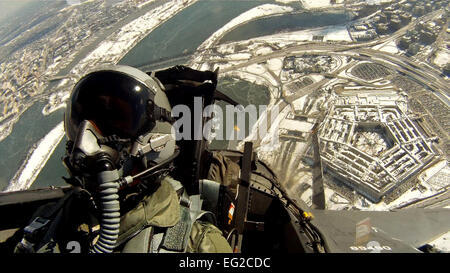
[{"x": 113, "y": 105}]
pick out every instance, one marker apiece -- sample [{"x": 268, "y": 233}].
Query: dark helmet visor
[{"x": 115, "y": 102}]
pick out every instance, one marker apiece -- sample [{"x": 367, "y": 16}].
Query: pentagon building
[{"x": 368, "y": 142}]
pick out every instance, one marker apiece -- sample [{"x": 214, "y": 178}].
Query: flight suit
[{"x": 154, "y": 225}]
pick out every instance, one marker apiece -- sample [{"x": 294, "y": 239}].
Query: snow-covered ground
[
  {"x": 240, "y": 56},
  {"x": 442, "y": 242},
  {"x": 256, "y": 12},
  {"x": 442, "y": 57},
  {"x": 330, "y": 33},
  {"x": 275, "y": 65},
  {"x": 286, "y": 1},
  {"x": 112, "y": 49},
  {"x": 31, "y": 168},
  {"x": 389, "y": 47},
  {"x": 145, "y": 3},
  {"x": 323, "y": 4},
  {"x": 432, "y": 170},
  {"x": 409, "y": 196},
  {"x": 314, "y": 4},
  {"x": 296, "y": 125},
  {"x": 264, "y": 50},
  {"x": 335, "y": 201},
  {"x": 57, "y": 100},
  {"x": 269, "y": 144}
]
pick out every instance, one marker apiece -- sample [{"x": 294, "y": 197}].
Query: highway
[{"x": 423, "y": 73}]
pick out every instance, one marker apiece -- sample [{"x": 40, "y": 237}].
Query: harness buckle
[
  {"x": 32, "y": 232},
  {"x": 36, "y": 227}
]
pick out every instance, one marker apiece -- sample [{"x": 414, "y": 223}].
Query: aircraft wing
[{"x": 380, "y": 231}]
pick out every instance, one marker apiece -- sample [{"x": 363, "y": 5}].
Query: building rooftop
[{"x": 369, "y": 142}]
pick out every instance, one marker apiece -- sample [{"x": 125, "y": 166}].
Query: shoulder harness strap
[{"x": 175, "y": 239}]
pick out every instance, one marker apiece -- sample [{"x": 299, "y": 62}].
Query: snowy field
[
  {"x": 389, "y": 47},
  {"x": 330, "y": 33}
]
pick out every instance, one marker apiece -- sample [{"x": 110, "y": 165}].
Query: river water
[
  {"x": 183, "y": 33},
  {"x": 287, "y": 22},
  {"x": 180, "y": 35},
  {"x": 31, "y": 127}
]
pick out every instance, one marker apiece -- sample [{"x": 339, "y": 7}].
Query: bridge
[{"x": 165, "y": 62}]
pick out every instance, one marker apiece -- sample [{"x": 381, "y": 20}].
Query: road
[
  {"x": 439, "y": 200},
  {"x": 318, "y": 195},
  {"x": 425, "y": 75},
  {"x": 421, "y": 72}
]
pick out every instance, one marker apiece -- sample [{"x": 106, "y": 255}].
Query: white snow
[
  {"x": 329, "y": 33},
  {"x": 263, "y": 51},
  {"x": 442, "y": 58},
  {"x": 316, "y": 77},
  {"x": 275, "y": 65},
  {"x": 256, "y": 69},
  {"x": 37, "y": 160},
  {"x": 226, "y": 49},
  {"x": 429, "y": 172},
  {"x": 337, "y": 33},
  {"x": 256, "y": 12},
  {"x": 257, "y": 74},
  {"x": 112, "y": 49},
  {"x": 145, "y": 3},
  {"x": 442, "y": 242},
  {"x": 389, "y": 47},
  {"x": 286, "y": 1},
  {"x": 317, "y": 4},
  {"x": 261, "y": 71},
  {"x": 314, "y": 4},
  {"x": 334, "y": 201},
  {"x": 406, "y": 198},
  {"x": 296, "y": 125},
  {"x": 438, "y": 183},
  {"x": 240, "y": 56},
  {"x": 299, "y": 103},
  {"x": 270, "y": 142}
]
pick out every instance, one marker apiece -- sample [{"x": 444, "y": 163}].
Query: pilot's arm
[{"x": 207, "y": 238}]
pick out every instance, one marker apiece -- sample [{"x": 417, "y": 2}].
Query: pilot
[{"x": 120, "y": 153}]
